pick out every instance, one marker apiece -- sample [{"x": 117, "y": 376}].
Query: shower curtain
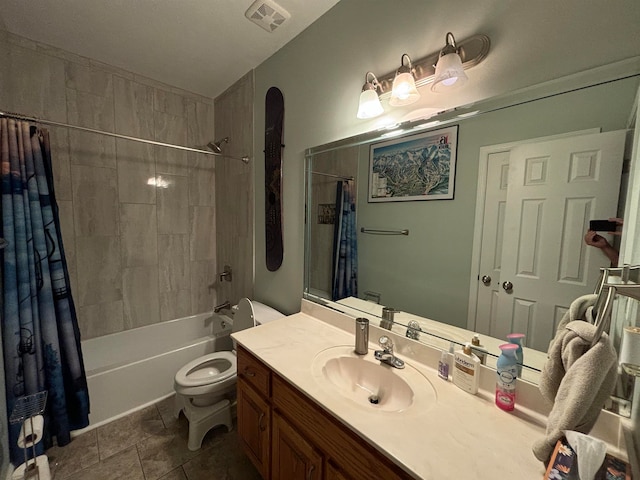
[
  {"x": 345, "y": 247},
  {"x": 40, "y": 335}
]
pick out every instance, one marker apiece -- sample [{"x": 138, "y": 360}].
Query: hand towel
[
  {"x": 577, "y": 380},
  {"x": 578, "y": 310}
]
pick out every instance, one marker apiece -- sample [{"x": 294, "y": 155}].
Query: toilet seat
[{"x": 199, "y": 376}]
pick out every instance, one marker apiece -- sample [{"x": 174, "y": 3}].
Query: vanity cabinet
[{"x": 288, "y": 436}]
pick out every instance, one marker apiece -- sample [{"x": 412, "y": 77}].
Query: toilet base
[{"x": 203, "y": 419}]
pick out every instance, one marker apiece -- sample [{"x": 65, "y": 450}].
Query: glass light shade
[
  {"x": 370, "y": 105},
  {"x": 449, "y": 73},
  {"x": 404, "y": 91}
]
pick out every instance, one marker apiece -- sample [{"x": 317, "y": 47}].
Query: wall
[
  {"x": 322, "y": 71},
  {"x": 234, "y": 190},
  {"x": 137, "y": 253}
]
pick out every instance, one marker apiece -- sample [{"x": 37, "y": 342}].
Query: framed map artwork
[{"x": 417, "y": 167}]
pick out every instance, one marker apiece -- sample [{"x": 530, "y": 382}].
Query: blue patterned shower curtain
[
  {"x": 345, "y": 246},
  {"x": 40, "y": 335}
]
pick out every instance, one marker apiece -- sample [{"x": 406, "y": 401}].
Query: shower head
[{"x": 216, "y": 146}]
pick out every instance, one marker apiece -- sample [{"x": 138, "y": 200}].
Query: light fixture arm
[
  {"x": 405, "y": 68},
  {"x": 450, "y": 45},
  {"x": 373, "y": 84}
]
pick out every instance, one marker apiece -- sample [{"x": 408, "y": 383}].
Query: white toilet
[{"x": 205, "y": 387}]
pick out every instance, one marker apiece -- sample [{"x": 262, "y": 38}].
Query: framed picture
[{"x": 417, "y": 167}]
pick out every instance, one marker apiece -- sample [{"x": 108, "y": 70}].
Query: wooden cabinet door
[
  {"x": 254, "y": 427},
  {"x": 331, "y": 472},
  {"x": 293, "y": 458}
]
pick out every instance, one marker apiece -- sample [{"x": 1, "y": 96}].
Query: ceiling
[{"x": 202, "y": 46}]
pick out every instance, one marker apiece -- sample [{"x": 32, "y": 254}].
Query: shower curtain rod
[{"x": 18, "y": 116}]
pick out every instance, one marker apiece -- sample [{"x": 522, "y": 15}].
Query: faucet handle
[{"x": 386, "y": 344}]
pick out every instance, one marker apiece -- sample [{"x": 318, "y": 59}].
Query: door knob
[
  {"x": 507, "y": 286},
  {"x": 486, "y": 279}
]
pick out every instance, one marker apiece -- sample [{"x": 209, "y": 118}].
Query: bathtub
[{"x": 129, "y": 370}]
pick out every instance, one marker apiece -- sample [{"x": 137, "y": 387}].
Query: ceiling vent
[{"x": 269, "y": 15}]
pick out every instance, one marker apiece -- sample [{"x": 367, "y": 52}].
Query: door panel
[{"x": 533, "y": 228}]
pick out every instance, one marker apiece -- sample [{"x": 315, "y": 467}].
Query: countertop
[{"x": 456, "y": 436}]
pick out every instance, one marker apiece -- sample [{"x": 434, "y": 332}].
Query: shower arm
[{"x": 18, "y": 116}]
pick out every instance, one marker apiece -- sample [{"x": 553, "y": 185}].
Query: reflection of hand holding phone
[{"x": 603, "y": 225}]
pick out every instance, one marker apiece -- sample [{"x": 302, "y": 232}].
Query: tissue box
[
  {"x": 614, "y": 469},
  {"x": 564, "y": 465}
]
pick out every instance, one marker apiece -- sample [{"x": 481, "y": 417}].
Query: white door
[
  {"x": 554, "y": 189},
  {"x": 491, "y": 238}
]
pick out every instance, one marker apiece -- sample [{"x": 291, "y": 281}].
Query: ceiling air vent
[{"x": 269, "y": 15}]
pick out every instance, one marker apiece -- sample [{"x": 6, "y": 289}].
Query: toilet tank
[{"x": 251, "y": 313}]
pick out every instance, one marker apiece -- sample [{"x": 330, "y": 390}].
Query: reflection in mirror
[{"x": 436, "y": 271}]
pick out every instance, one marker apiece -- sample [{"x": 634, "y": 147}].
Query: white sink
[{"x": 367, "y": 382}]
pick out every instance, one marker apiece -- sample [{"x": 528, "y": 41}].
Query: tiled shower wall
[{"x": 137, "y": 253}]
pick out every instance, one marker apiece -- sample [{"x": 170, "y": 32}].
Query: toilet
[{"x": 205, "y": 387}]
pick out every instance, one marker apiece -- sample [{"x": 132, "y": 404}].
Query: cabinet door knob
[
  {"x": 310, "y": 472},
  {"x": 248, "y": 372},
  {"x": 260, "y": 426},
  {"x": 507, "y": 286},
  {"x": 486, "y": 279}
]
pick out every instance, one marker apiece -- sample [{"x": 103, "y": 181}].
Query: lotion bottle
[{"x": 466, "y": 369}]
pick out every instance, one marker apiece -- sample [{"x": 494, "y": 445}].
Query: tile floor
[{"x": 150, "y": 445}]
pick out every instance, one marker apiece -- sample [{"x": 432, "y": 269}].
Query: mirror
[{"x": 432, "y": 275}]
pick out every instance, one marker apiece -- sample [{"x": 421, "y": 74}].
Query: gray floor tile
[
  {"x": 81, "y": 453},
  {"x": 224, "y": 460},
  {"x": 121, "y": 466},
  {"x": 125, "y": 432},
  {"x": 151, "y": 445},
  {"x": 177, "y": 474}
]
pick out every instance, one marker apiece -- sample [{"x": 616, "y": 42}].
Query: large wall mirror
[{"x": 427, "y": 259}]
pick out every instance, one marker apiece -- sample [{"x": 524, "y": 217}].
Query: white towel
[{"x": 577, "y": 380}]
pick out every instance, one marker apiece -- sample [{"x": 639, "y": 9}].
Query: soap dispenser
[
  {"x": 362, "y": 336},
  {"x": 466, "y": 369}
]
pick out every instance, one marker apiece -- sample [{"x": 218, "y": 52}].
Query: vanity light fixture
[
  {"x": 449, "y": 71},
  {"x": 370, "y": 105},
  {"x": 404, "y": 91}
]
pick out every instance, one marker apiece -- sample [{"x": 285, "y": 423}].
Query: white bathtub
[{"x": 128, "y": 370}]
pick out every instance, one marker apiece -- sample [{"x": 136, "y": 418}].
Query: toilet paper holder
[{"x": 25, "y": 411}]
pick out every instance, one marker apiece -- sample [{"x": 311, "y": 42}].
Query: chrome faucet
[
  {"x": 222, "y": 306},
  {"x": 386, "y": 354},
  {"x": 413, "y": 330}
]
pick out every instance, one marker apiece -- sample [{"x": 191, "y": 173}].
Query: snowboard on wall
[{"x": 274, "y": 117}]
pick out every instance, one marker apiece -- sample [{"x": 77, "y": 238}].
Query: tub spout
[{"x": 222, "y": 306}]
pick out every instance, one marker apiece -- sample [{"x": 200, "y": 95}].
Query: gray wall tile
[
  {"x": 95, "y": 200},
  {"x": 139, "y": 235},
  {"x": 99, "y": 270},
  {"x": 140, "y": 295}
]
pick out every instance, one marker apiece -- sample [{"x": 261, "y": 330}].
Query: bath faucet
[
  {"x": 386, "y": 354},
  {"x": 226, "y": 274},
  {"x": 222, "y": 306}
]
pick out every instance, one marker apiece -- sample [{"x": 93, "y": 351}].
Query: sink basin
[{"x": 367, "y": 382}]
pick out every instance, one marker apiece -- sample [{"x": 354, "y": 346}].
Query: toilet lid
[{"x": 212, "y": 368}]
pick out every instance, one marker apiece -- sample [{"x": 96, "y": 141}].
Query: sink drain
[{"x": 374, "y": 399}]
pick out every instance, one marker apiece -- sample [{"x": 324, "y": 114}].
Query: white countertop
[{"x": 457, "y": 436}]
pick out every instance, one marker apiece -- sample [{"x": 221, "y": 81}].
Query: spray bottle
[{"x": 507, "y": 372}]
